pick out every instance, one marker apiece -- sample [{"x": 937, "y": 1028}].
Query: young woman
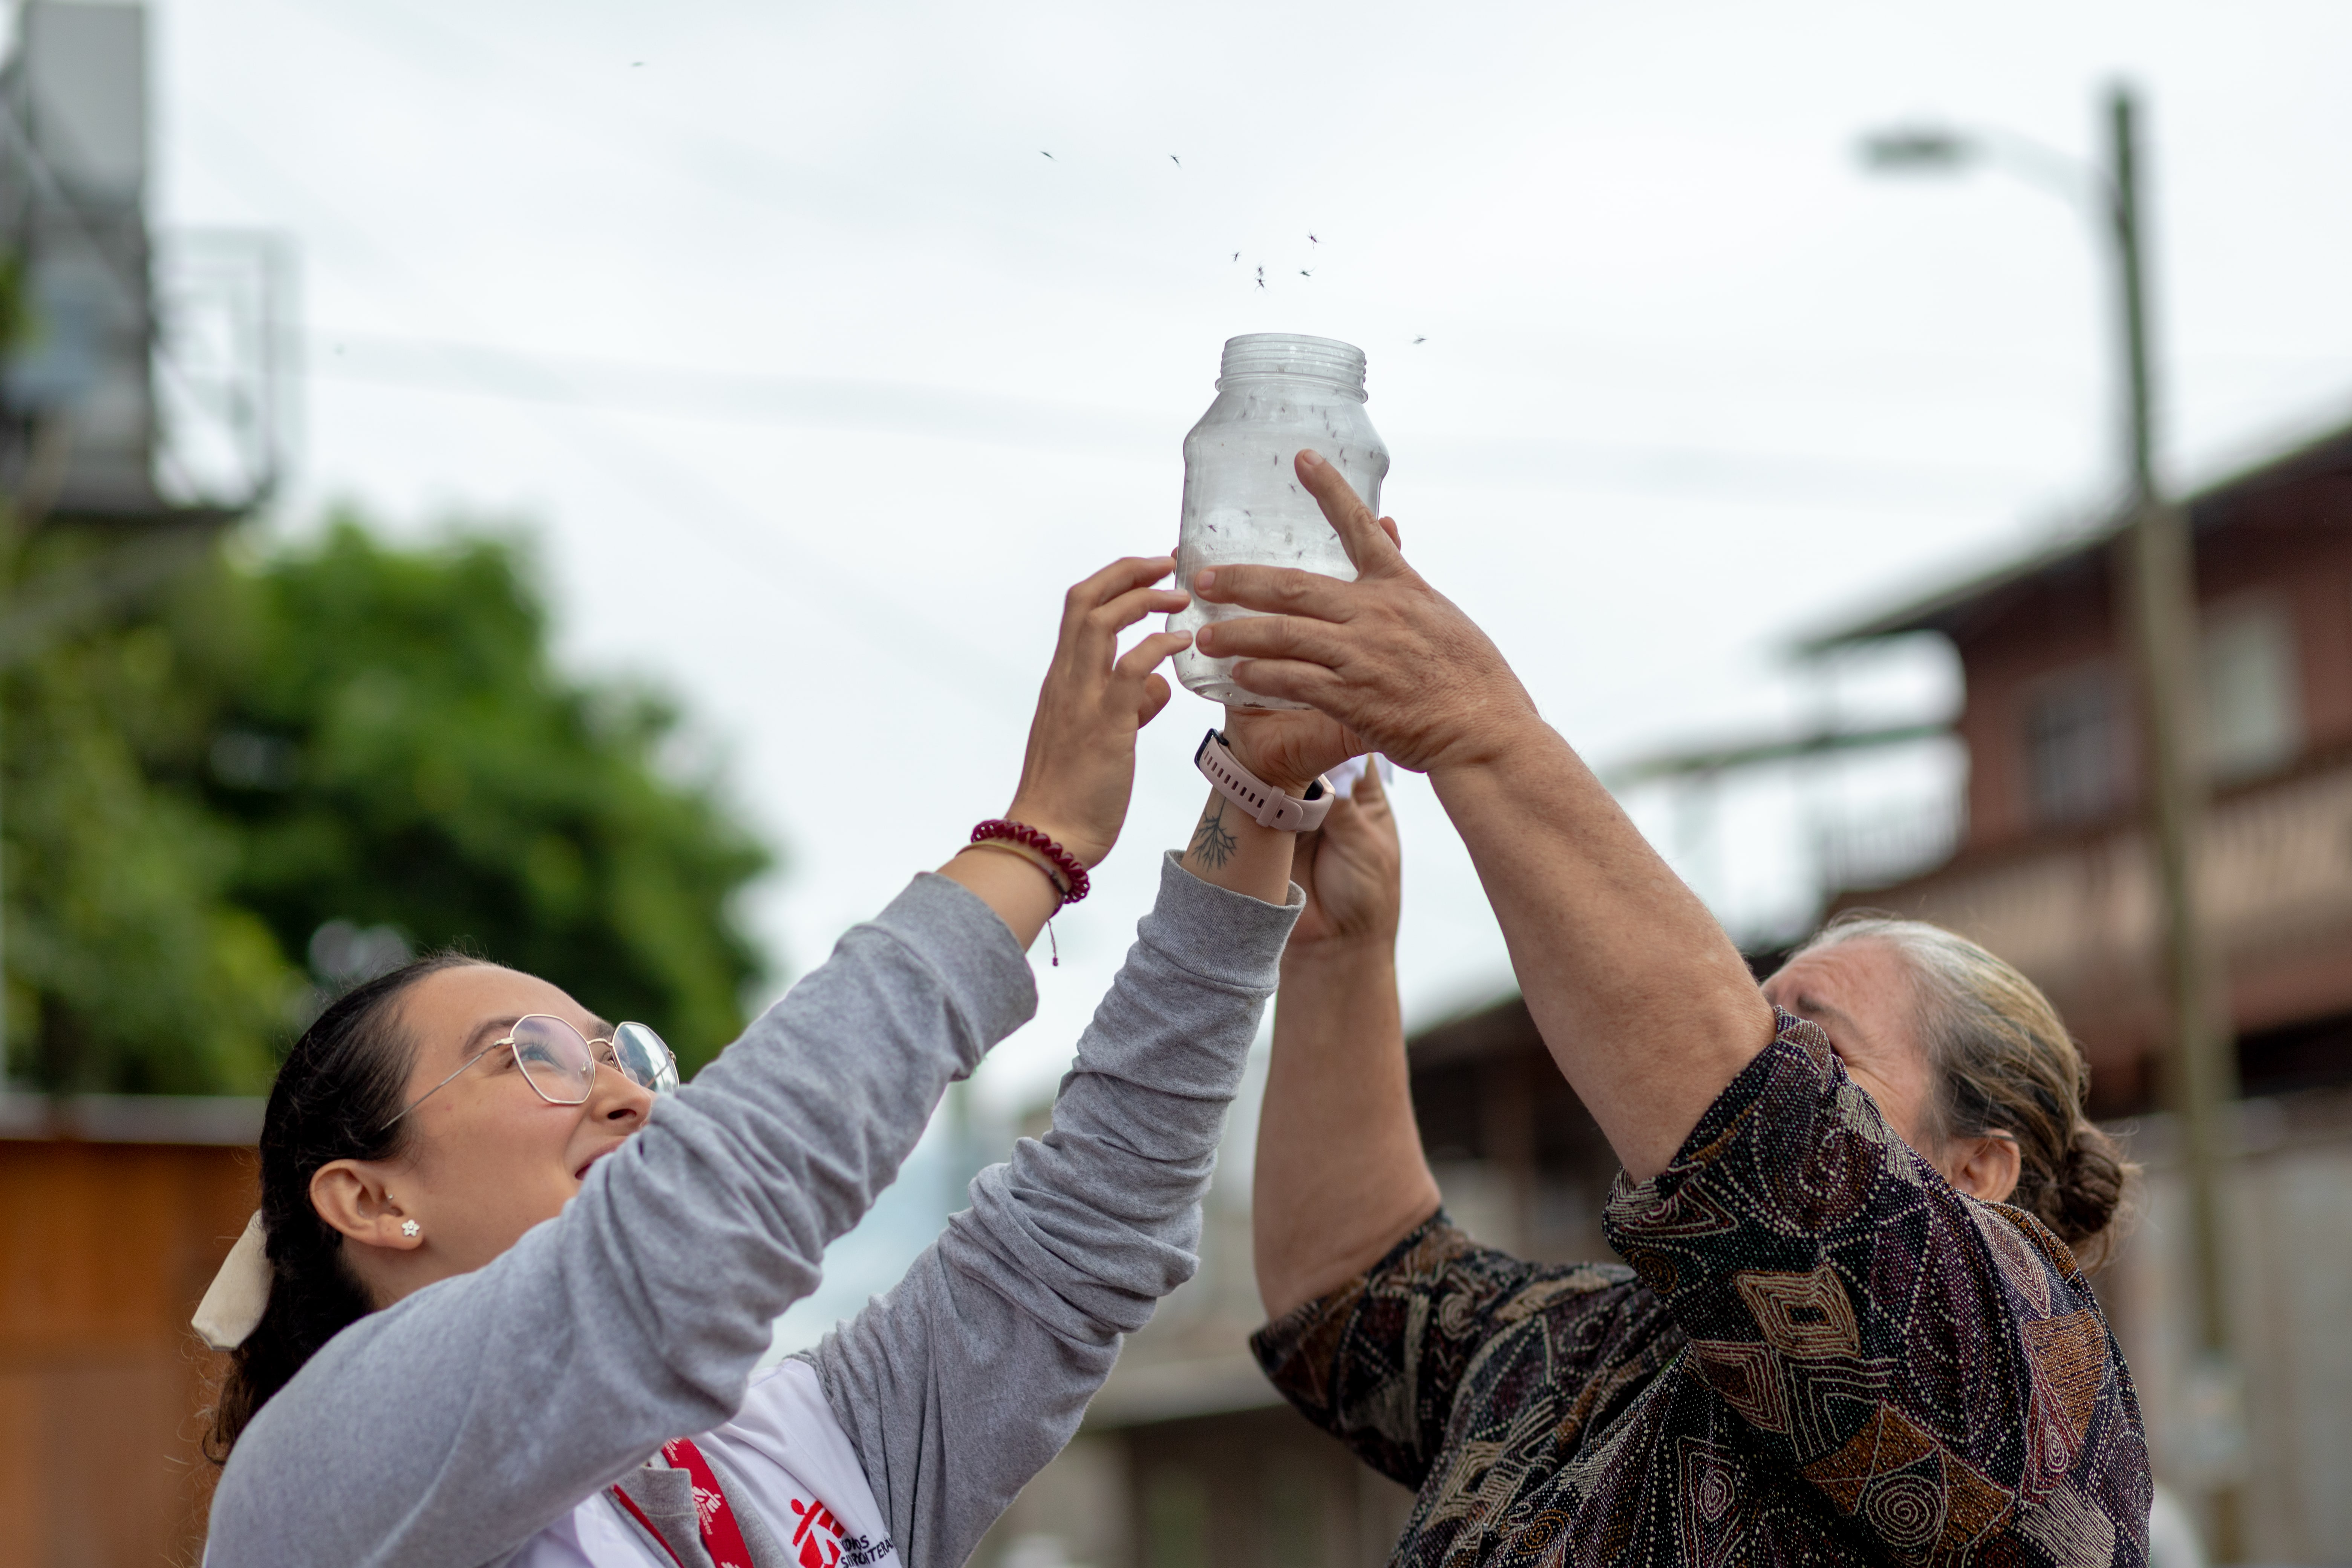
[{"x": 506, "y": 1281}]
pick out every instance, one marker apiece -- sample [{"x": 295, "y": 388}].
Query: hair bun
[{"x": 2089, "y": 1188}]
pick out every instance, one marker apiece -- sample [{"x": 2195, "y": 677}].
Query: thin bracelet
[
  {"x": 1053, "y": 943},
  {"x": 1027, "y": 859}
]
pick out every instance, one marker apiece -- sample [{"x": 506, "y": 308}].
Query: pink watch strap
[{"x": 1268, "y": 807}]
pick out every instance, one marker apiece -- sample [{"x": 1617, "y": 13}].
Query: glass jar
[{"x": 1276, "y": 392}]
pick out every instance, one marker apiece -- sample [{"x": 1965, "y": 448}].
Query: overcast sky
[{"x": 816, "y": 380}]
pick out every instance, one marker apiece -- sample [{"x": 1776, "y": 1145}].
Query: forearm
[
  {"x": 1340, "y": 1176},
  {"x": 1644, "y": 1003},
  {"x": 1230, "y": 850},
  {"x": 1024, "y": 896}
]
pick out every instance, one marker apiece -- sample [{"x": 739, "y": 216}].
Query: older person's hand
[
  {"x": 1353, "y": 870},
  {"x": 1386, "y": 656}
]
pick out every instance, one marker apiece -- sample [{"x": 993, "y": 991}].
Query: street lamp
[
  {"x": 1917, "y": 147},
  {"x": 2156, "y": 581}
]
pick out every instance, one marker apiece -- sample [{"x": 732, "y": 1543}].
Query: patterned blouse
[{"x": 1822, "y": 1354}]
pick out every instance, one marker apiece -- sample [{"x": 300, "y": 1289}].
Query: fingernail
[
  {"x": 1311, "y": 458},
  {"x": 1203, "y": 638},
  {"x": 1204, "y": 579}
]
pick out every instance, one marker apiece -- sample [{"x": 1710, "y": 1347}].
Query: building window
[
  {"x": 2253, "y": 703},
  {"x": 2074, "y": 745}
]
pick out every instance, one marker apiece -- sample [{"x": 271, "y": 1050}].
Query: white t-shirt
[{"x": 794, "y": 1467}]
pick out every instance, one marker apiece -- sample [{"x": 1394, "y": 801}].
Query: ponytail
[{"x": 335, "y": 1099}]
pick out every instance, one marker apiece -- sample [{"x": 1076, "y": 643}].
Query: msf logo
[{"x": 818, "y": 1537}]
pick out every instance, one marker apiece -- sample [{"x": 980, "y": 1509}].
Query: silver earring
[{"x": 409, "y": 1228}]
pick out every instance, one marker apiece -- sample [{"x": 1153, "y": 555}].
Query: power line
[{"x": 945, "y": 413}]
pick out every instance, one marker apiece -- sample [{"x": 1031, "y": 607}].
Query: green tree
[
  {"x": 344, "y": 737},
  {"x": 129, "y": 968}
]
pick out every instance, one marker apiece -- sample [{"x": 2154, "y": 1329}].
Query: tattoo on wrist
[{"x": 1211, "y": 845}]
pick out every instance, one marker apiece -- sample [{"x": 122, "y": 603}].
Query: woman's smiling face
[{"x": 485, "y": 1157}]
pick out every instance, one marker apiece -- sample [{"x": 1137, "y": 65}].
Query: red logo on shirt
[{"x": 818, "y": 1537}]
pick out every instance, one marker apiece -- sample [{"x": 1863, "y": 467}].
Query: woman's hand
[
  {"x": 1387, "y": 656},
  {"x": 1080, "y": 766},
  {"x": 1353, "y": 871}
]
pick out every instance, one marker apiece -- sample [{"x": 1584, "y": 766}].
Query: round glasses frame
[{"x": 633, "y": 1050}]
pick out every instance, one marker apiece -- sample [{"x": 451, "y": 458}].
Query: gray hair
[{"x": 2003, "y": 1062}]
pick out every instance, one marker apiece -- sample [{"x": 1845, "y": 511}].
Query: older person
[{"x": 1839, "y": 1340}]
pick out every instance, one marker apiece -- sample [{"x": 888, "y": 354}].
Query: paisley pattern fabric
[{"x": 1822, "y": 1354}]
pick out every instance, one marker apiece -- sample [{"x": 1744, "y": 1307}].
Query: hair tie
[{"x": 239, "y": 1292}]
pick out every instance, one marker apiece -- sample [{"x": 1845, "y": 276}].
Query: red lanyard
[{"x": 721, "y": 1537}]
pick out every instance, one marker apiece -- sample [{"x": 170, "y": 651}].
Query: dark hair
[
  {"x": 339, "y": 1087},
  {"x": 2005, "y": 1063}
]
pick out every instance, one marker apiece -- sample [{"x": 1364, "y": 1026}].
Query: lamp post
[{"x": 2156, "y": 583}]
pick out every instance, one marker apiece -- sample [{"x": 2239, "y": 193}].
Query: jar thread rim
[{"x": 1293, "y": 355}]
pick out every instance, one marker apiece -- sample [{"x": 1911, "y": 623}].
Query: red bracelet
[{"x": 1029, "y": 838}]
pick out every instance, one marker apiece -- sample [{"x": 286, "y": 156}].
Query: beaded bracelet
[{"x": 1074, "y": 874}]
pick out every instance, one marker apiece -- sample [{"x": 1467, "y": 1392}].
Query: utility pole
[
  {"x": 2155, "y": 598},
  {"x": 2157, "y": 581}
]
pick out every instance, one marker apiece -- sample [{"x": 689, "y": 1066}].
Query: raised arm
[
  {"x": 1643, "y": 1002},
  {"x": 451, "y": 1427},
  {"x": 1340, "y": 1178},
  {"x": 971, "y": 1373}
]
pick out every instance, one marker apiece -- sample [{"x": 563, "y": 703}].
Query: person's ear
[
  {"x": 1985, "y": 1166},
  {"x": 353, "y": 1196}
]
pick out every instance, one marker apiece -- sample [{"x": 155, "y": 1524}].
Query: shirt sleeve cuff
[
  {"x": 1295, "y": 1350},
  {"x": 1785, "y": 1083},
  {"x": 1224, "y": 938}
]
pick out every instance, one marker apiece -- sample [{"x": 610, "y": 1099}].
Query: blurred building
[
  {"x": 114, "y": 1214},
  {"x": 142, "y": 376},
  {"x": 2049, "y": 868}
]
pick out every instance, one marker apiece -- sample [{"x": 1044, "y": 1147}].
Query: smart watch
[{"x": 1268, "y": 807}]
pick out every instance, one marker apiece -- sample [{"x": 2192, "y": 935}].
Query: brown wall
[
  {"x": 2292, "y": 547},
  {"x": 105, "y": 1249}
]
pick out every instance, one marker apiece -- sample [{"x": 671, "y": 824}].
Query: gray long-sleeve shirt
[{"x": 450, "y": 1428}]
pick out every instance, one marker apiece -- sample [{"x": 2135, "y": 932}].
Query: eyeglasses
[{"x": 560, "y": 1063}]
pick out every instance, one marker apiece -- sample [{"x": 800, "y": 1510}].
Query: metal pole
[{"x": 2159, "y": 582}]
